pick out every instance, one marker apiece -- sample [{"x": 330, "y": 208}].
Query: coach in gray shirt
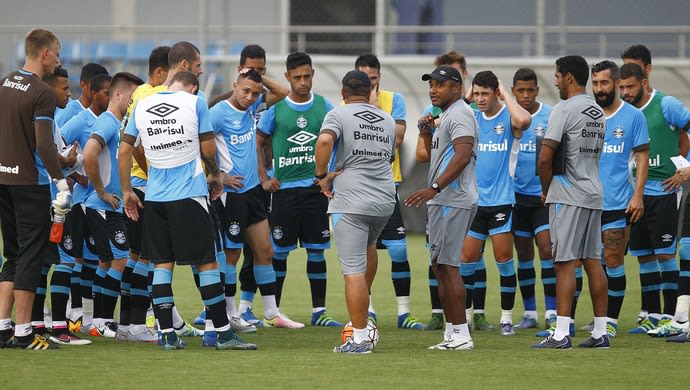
[
  {"x": 361, "y": 190},
  {"x": 572, "y": 189},
  {"x": 451, "y": 195}
]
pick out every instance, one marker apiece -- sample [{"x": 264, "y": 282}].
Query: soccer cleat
[
  {"x": 282, "y": 321},
  {"x": 591, "y": 342},
  {"x": 145, "y": 336},
  {"x": 641, "y": 316},
  {"x": 436, "y": 322},
  {"x": 68, "y": 338},
  {"x": 230, "y": 340},
  {"x": 681, "y": 338},
  {"x": 172, "y": 342},
  {"x": 551, "y": 343},
  {"x": 75, "y": 326},
  {"x": 669, "y": 328},
  {"x": 462, "y": 343},
  {"x": 407, "y": 321},
  {"x": 40, "y": 330},
  {"x": 321, "y": 318},
  {"x": 527, "y": 323},
  {"x": 371, "y": 317},
  {"x": 611, "y": 329},
  {"x": 189, "y": 331},
  {"x": 365, "y": 347},
  {"x": 201, "y": 318},
  {"x": 6, "y": 338},
  {"x": 589, "y": 327},
  {"x": 645, "y": 326},
  {"x": 551, "y": 330},
  {"x": 507, "y": 329},
  {"x": 35, "y": 342},
  {"x": 239, "y": 325},
  {"x": 442, "y": 344},
  {"x": 108, "y": 330},
  {"x": 121, "y": 334},
  {"x": 150, "y": 320},
  {"x": 481, "y": 323},
  {"x": 249, "y": 316},
  {"x": 209, "y": 339}
]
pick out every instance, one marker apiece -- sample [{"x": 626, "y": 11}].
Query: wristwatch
[{"x": 436, "y": 187}]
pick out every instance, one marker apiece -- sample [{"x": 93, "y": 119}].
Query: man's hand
[
  {"x": 132, "y": 205},
  {"x": 326, "y": 183},
  {"x": 673, "y": 183},
  {"x": 215, "y": 183},
  {"x": 420, "y": 197},
  {"x": 110, "y": 199},
  {"x": 63, "y": 199},
  {"x": 271, "y": 184},
  {"x": 635, "y": 208},
  {"x": 425, "y": 124}
]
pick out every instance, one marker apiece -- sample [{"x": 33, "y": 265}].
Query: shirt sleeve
[
  {"x": 332, "y": 122},
  {"x": 213, "y": 117},
  {"x": 329, "y": 105},
  {"x": 203, "y": 115},
  {"x": 45, "y": 104},
  {"x": 106, "y": 130},
  {"x": 675, "y": 112},
  {"x": 399, "y": 111},
  {"x": 131, "y": 128},
  {"x": 461, "y": 124},
  {"x": 556, "y": 127},
  {"x": 267, "y": 121},
  {"x": 641, "y": 132}
]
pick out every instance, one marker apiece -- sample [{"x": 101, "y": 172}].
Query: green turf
[{"x": 301, "y": 358}]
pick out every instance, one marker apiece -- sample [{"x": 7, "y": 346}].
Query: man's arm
[
  {"x": 45, "y": 145},
  {"x": 276, "y": 91},
  {"x": 138, "y": 154},
  {"x": 130, "y": 200},
  {"x": 545, "y": 165},
  {"x": 520, "y": 118},
  {"x": 635, "y": 206},
  {"x": 324, "y": 149},
  {"x": 270, "y": 184},
  {"x": 207, "y": 145},
  {"x": 93, "y": 148},
  {"x": 684, "y": 142}
]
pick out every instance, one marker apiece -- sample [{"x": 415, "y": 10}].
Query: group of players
[{"x": 131, "y": 148}]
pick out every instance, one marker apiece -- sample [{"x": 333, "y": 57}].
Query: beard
[
  {"x": 634, "y": 100},
  {"x": 605, "y": 99}
]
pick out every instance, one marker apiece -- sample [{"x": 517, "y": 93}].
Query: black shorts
[
  {"x": 300, "y": 213},
  {"x": 109, "y": 231},
  {"x": 25, "y": 220},
  {"x": 491, "y": 220},
  {"x": 685, "y": 230},
  {"x": 134, "y": 228},
  {"x": 530, "y": 216},
  {"x": 655, "y": 232},
  {"x": 394, "y": 229},
  {"x": 239, "y": 210},
  {"x": 180, "y": 231},
  {"x": 614, "y": 219},
  {"x": 76, "y": 239}
]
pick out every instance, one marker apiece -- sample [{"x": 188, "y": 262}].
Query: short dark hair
[
  {"x": 186, "y": 78},
  {"x": 638, "y": 52},
  {"x": 181, "y": 51},
  {"x": 122, "y": 78},
  {"x": 486, "y": 79},
  {"x": 252, "y": 51},
  {"x": 250, "y": 74},
  {"x": 367, "y": 60},
  {"x": 525, "y": 74},
  {"x": 575, "y": 65},
  {"x": 51, "y": 78},
  {"x": 98, "y": 81},
  {"x": 632, "y": 70},
  {"x": 91, "y": 69},
  {"x": 610, "y": 65},
  {"x": 159, "y": 58},
  {"x": 297, "y": 59},
  {"x": 38, "y": 39},
  {"x": 451, "y": 57}
]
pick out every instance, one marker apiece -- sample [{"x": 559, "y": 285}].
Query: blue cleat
[
  {"x": 365, "y": 347},
  {"x": 551, "y": 330},
  {"x": 681, "y": 338},
  {"x": 601, "y": 342},
  {"x": 527, "y": 323},
  {"x": 645, "y": 326},
  {"x": 321, "y": 318},
  {"x": 209, "y": 339},
  {"x": 371, "y": 317},
  {"x": 171, "y": 342},
  {"x": 201, "y": 318},
  {"x": 249, "y": 316},
  {"x": 230, "y": 340},
  {"x": 551, "y": 343},
  {"x": 407, "y": 321}
]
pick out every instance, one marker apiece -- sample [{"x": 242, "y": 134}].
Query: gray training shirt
[
  {"x": 457, "y": 121},
  {"x": 583, "y": 123},
  {"x": 365, "y": 143}
]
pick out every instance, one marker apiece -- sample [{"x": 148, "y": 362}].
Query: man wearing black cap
[
  {"x": 364, "y": 140},
  {"x": 451, "y": 195}
]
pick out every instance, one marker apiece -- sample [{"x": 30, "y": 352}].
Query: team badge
[
  {"x": 120, "y": 237},
  {"x": 234, "y": 229},
  {"x": 301, "y": 122},
  {"x": 277, "y": 233},
  {"x": 67, "y": 243},
  {"x": 618, "y": 132},
  {"x": 539, "y": 130},
  {"x": 326, "y": 233},
  {"x": 499, "y": 128}
]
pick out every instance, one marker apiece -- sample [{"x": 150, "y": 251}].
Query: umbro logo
[
  {"x": 326, "y": 233},
  {"x": 500, "y": 217},
  {"x": 593, "y": 112},
  {"x": 369, "y": 116},
  {"x": 301, "y": 138},
  {"x": 162, "y": 109},
  {"x": 666, "y": 238},
  {"x": 401, "y": 230}
]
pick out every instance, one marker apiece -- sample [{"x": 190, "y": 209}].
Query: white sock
[
  {"x": 5, "y": 323},
  {"x": 270, "y": 307},
  {"x": 403, "y": 305},
  {"x": 599, "y": 327},
  {"x": 208, "y": 326},
  {"x": 178, "y": 322},
  {"x": 562, "y": 327},
  {"x": 98, "y": 322},
  {"x": 21, "y": 330},
  {"x": 76, "y": 313},
  {"x": 531, "y": 314},
  {"x": 612, "y": 320},
  {"x": 244, "y": 305},
  {"x": 549, "y": 313},
  {"x": 317, "y": 309},
  {"x": 461, "y": 331},
  {"x": 371, "y": 307},
  {"x": 61, "y": 324},
  {"x": 38, "y": 324},
  {"x": 359, "y": 335},
  {"x": 137, "y": 329},
  {"x": 448, "y": 333},
  {"x": 230, "y": 307},
  {"x": 479, "y": 311},
  {"x": 506, "y": 317},
  {"x": 655, "y": 316},
  {"x": 436, "y": 311},
  {"x": 123, "y": 328},
  {"x": 468, "y": 315},
  {"x": 682, "y": 307}
]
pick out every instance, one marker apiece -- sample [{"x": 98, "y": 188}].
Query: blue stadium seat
[
  {"x": 139, "y": 51},
  {"x": 107, "y": 51}
]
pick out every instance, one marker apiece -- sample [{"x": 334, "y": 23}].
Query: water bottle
[{"x": 57, "y": 228}]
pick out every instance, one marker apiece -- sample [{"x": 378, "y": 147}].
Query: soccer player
[
  {"x": 298, "y": 209},
  {"x": 640, "y": 55},
  {"x": 362, "y": 191},
  {"x": 572, "y": 190},
  {"x": 626, "y": 139},
  {"x": 241, "y": 207},
  {"x": 451, "y": 195},
  {"x": 178, "y": 228},
  {"x": 653, "y": 237},
  {"x": 104, "y": 214},
  {"x": 500, "y": 124},
  {"x": 393, "y": 238},
  {"x": 27, "y": 157},
  {"x": 75, "y": 106},
  {"x": 530, "y": 216}
]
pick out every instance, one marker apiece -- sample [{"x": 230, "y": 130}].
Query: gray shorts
[
  {"x": 448, "y": 227},
  {"x": 575, "y": 232},
  {"x": 352, "y": 234}
]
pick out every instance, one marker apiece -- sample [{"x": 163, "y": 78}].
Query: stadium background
[{"x": 405, "y": 34}]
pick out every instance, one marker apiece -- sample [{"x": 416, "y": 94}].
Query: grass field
[{"x": 303, "y": 358}]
